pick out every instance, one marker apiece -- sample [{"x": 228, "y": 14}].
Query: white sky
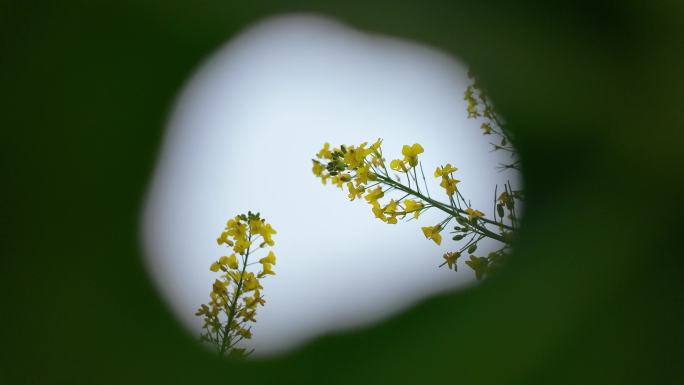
[{"x": 241, "y": 137}]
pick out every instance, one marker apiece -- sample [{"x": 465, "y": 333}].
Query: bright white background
[{"x": 241, "y": 137}]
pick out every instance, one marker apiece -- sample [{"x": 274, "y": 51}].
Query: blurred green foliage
[{"x": 593, "y": 295}]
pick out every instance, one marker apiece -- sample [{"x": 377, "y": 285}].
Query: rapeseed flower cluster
[
  {"x": 364, "y": 172},
  {"x": 358, "y": 168},
  {"x": 237, "y": 292}
]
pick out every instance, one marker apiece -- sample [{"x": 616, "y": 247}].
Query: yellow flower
[
  {"x": 257, "y": 299},
  {"x": 218, "y": 298},
  {"x": 266, "y": 231},
  {"x": 223, "y": 238},
  {"x": 363, "y": 174},
  {"x": 355, "y": 157},
  {"x": 269, "y": 258},
  {"x": 255, "y": 225},
  {"x": 432, "y": 232},
  {"x": 234, "y": 275},
  {"x": 506, "y": 199},
  {"x": 354, "y": 192},
  {"x": 229, "y": 261},
  {"x": 241, "y": 245},
  {"x": 204, "y": 309},
  {"x": 245, "y": 333},
  {"x": 317, "y": 168},
  {"x": 215, "y": 267},
  {"x": 391, "y": 209},
  {"x": 413, "y": 206},
  {"x": 374, "y": 194},
  {"x": 377, "y": 210},
  {"x": 247, "y": 315},
  {"x": 398, "y": 165},
  {"x": 451, "y": 258},
  {"x": 325, "y": 152},
  {"x": 339, "y": 180},
  {"x": 266, "y": 270},
  {"x": 479, "y": 264},
  {"x": 411, "y": 153},
  {"x": 219, "y": 287},
  {"x": 251, "y": 282},
  {"x": 472, "y": 214},
  {"x": 449, "y": 184},
  {"x": 446, "y": 170},
  {"x": 375, "y": 146},
  {"x": 236, "y": 229},
  {"x": 487, "y": 128}
]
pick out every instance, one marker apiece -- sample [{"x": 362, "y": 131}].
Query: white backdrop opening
[{"x": 241, "y": 137}]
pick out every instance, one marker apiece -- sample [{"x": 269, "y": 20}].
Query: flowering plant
[
  {"x": 236, "y": 294},
  {"x": 363, "y": 170}
]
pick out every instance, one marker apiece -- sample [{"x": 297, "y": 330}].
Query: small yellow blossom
[
  {"x": 229, "y": 261},
  {"x": 267, "y": 270},
  {"x": 486, "y": 128},
  {"x": 246, "y": 333},
  {"x": 247, "y": 315},
  {"x": 450, "y": 259},
  {"x": 472, "y": 214},
  {"x": 251, "y": 282},
  {"x": 377, "y": 210},
  {"x": 339, "y": 180},
  {"x": 363, "y": 174},
  {"x": 219, "y": 287},
  {"x": 398, "y": 165},
  {"x": 235, "y": 276},
  {"x": 255, "y": 225},
  {"x": 325, "y": 152},
  {"x": 354, "y": 192},
  {"x": 257, "y": 299},
  {"x": 269, "y": 258},
  {"x": 266, "y": 231},
  {"x": 432, "y": 232},
  {"x": 374, "y": 194},
  {"x": 449, "y": 184},
  {"x": 413, "y": 207},
  {"x": 355, "y": 157},
  {"x": 223, "y": 238},
  {"x": 411, "y": 153},
  {"x": 215, "y": 267},
  {"x": 479, "y": 264},
  {"x": 378, "y": 160},
  {"x": 236, "y": 229},
  {"x": 391, "y": 209},
  {"x": 446, "y": 170},
  {"x": 317, "y": 168},
  {"x": 241, "y": 245}
]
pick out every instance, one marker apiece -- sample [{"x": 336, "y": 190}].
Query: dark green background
[{"x": 593, "y": 91}]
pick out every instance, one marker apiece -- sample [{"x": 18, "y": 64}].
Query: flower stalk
[
  {"x": 236, "y": 294},
  {"x": 363, "y": 170}
]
